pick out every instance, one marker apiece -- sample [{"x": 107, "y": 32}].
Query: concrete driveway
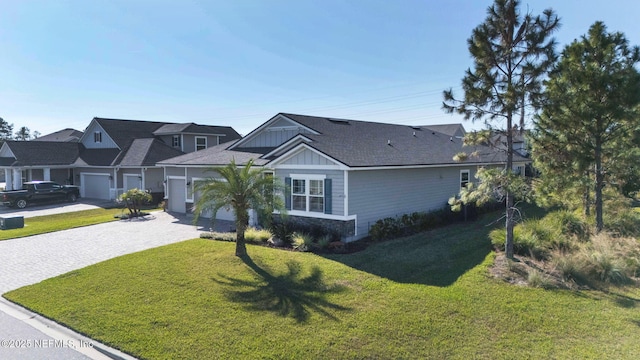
[{"x": 33, "y": 259}]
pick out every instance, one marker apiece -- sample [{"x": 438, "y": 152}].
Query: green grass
[
  {"x": 50, "y": 223},
  {"x": 426, "y": 296}
]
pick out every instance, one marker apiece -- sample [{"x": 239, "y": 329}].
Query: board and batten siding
[
  {"x": 275, "y": 134},
  {"x": 307, "y": 157},
  {"x": 337, "y": 185},
  {"x": 377, "y": 194}
]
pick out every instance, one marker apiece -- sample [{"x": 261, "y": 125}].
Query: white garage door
[
  {"x": 222, "y": 214},
  {"x": 177, "y": 196},
  {"x": 95, "y": 186}
]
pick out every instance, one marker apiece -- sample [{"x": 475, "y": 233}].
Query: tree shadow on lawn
[
  {"x": 289, "y": 294},
  {"x": 437, "y": 257}
]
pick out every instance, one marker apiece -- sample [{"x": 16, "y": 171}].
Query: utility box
[{"x": 16, "y": 222}]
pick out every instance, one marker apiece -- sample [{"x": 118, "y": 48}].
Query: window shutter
[
  {"x": 287, "y": 193},
  {"x": 327, "y": 196}
]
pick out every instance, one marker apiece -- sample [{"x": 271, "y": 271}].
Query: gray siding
[
  {"x": 337, "y": 185},
  {"x": 308, "y": 157},
  {"x": 107, "y": 142},
  {"x": 376, "y": 194},
  {"x": 189, "y": 142}
]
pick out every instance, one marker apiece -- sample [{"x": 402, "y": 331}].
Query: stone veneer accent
[{"x": 346, "y": 229}]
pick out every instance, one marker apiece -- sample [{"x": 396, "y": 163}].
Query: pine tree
[
  {"x": 512, "y": 53},
  {"x": 6, "y": 130},
  {"x": 589, "y": 127}
]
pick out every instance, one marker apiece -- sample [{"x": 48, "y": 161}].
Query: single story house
[
  {"x": 111, "y": 156},
  {"x": 342, "y": 174}
]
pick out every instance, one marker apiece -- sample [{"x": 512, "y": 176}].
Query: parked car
[{"x": 39, "y": 192}]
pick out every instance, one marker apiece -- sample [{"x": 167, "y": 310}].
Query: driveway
[
  {"x": 55, "y": 208},
  {"x": 32, "y": 259}
]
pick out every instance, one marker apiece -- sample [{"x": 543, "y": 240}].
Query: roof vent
[
  {"x": 414, "y": 133},
  {"x": 339, "y": 121},
  {"x": 416, "y": 127},
  {"x": 389, "y": 142},
  {"x": 451, "y": 138}
]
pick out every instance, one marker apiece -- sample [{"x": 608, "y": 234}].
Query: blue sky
[{"x": 240, "y": 62}]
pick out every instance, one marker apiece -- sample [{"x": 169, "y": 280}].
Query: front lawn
[
  {"x": 426, "y": 296},
  {"x": 50, "y": 223}
]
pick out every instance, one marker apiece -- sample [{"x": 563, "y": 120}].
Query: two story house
[{"x": 109, "y": 157}]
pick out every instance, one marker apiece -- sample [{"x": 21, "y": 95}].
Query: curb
[{"x": 93, "y": 348}]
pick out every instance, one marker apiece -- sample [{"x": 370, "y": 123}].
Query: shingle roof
[
  {"x": 219, "y": 155},
  {"x": 65, "y": 135},
  {"x": 35, "y": 153},
  {"x": 369, "y": 144},
  {"x": 97, "y": 157},
  {"x": 146, "y": 152},
  {"x": 123, "y": 132},
  {"x": 227, "y": 133}
]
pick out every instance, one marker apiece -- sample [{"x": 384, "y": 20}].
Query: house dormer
[{"x": 190, "y": 137}]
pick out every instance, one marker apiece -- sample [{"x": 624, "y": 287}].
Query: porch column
[
  {"x": 17, "y": 179},
  {"x": 8, "y": 179},
  {"x": 46, "y": 172}
]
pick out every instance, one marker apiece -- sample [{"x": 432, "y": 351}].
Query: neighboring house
[
  {"x": 65, "y": 135},
  {"x": 342, "y": 174},
  {"x": 110, "y": 157}
]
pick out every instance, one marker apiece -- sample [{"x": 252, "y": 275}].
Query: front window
[
  {"x": 97, "y": 137},
  {"x": 201, "y": 143},
  {"x": 176, "y": 141},
  {"x": 307, "y": 195}
]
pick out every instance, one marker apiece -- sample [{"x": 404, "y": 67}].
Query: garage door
[
  {"x": 177, "y": 196},
  {"x": 95, "y": 186},
  {"x": 222, "y": 214}
]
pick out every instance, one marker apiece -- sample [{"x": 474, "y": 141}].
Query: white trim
[
  {"x": 284, "y": 145},
  {"x": 320, "y": 215},
  {"x": 196, "y": 138},
  {"x": 308, "y": 176},
  {"x": 425, "y": 166},
  {"x": 346, "y": 193},
  {"x": 468, "y": 172},
  {"x": 301, "y": 147},
  {"x": 307, "y": 167},
  {"x": 259, "y": 129},
  {"x": 192, "y": 186}
]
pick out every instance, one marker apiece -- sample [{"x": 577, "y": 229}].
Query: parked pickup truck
[{"x": 39, "y": 192}]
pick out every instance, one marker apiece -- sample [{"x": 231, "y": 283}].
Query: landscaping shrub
[
  {"x": 302, "y": 242},
  {"x": 409, "y": 224},
  {"x": 257, "y": 235},
  {"x": 219, "y": 236}
]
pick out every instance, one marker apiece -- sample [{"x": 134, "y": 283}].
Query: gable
[
  {"x": 307, "y": 157},
  {"x": 273, "y": 133},
  {"x": 6, "y": 152},
  {"x": 89, "y": 137},
  {"x": 304, "y": 156}
]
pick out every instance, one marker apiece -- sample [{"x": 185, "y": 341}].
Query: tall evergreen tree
[
  {"x": 23, "y": 134},
  {"x": 589, "y": 127},
  {"x": 512, "y": 53},
  {"x": 6, "y": 130}
]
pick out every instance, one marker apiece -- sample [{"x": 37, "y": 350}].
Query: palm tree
[{"x": 239, "y": 188}]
